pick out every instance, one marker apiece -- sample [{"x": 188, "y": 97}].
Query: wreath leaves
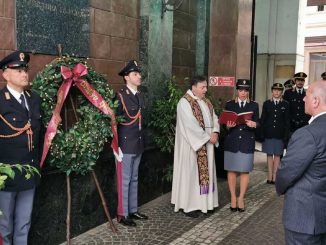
[{"x": 77, "y": 149}]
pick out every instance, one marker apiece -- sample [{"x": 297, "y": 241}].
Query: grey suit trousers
[
  {"x": 15, "y": 221},
  {"x": 296, "y": 238}
]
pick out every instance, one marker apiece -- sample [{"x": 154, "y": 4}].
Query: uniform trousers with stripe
[
  {"x": 127, "y": 184},
  {"x": 15, "y": 221}
]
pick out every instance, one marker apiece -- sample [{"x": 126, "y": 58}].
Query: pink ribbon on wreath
[{"x": 74, "y": 76}]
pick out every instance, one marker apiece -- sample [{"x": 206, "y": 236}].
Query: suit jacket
[
  {"x": 298, "y": 118},
  {"x": 241, "y": 137},
  {"x": 302, "y": 178},
  {"x": 274, "y": 120},
  {"x": 15, "y": 150},
  {"x": 131, "y": 139}
]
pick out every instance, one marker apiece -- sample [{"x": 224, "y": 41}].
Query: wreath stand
[{"x": 98, "y": 187}]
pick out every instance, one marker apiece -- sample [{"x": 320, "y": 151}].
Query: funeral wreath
[{"x": 77, "y": 148}]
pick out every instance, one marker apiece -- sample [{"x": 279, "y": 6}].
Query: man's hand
[{"x": 214, "y": 138}]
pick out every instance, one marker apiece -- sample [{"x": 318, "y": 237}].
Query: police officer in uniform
[
  {"x": 239, "y": 144},
  {"x": 323, "y": 75},
  {"x": 275, "y": 126},
  {"x": 288, "y": 84},
  {"x": 20, "y": 143},
  {"x": 131, "y": 143},
  {"x": 298, "y": 118}
]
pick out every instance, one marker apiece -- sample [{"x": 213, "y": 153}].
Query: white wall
[
  {"x": 315, "y": 22},
  {"x": 279, "y": 25},
  {"x": 262, "y": 16},
  {"x": 276, "y": 24}
]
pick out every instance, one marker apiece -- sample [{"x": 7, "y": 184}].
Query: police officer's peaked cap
[
  {"x": 15, "y": 60},
  {"x": 289, "y": 83},
  {"x": 323, "y": 75},
  {"x": 278, "y": 86},
  {"x": 243, "y": 84},
  {"x": 300, "y": 75},
  {"x": 131, "y": 66}
]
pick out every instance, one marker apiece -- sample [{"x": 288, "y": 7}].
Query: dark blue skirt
[{"x": 238, "y": 162}]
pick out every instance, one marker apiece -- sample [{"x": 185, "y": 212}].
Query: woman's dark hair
[{"x": 197, "y": 79}]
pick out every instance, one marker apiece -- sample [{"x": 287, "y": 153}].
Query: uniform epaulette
[{"x": 7, "y": 95}]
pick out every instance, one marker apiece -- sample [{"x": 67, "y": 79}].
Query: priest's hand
[{"x": 214, "y": 138}]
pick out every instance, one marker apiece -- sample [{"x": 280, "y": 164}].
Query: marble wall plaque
[{"x": 43, "y": 24}]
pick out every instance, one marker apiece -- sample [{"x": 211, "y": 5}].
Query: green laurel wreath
[{"x": 77, "y": 149}]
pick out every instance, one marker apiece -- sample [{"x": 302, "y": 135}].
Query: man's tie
[
  {"x": 23, "y": 103},
  {"x": 276, "y": 102},
  {"x": 242, "y": 104}
]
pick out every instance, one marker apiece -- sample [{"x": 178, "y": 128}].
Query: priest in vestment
[{"x": 194, "y": 185}]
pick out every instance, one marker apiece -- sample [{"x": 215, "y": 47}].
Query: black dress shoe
[
  {"x": 192, "y": 214},
  {"x": 233, "y": 209},
  {"x": 269, "y": 182},
  {"x": 273, "y": 182},
  {"x": 241, "y": 210},
  {"x": 125, "y": 220},
  {"x": 138, "y": 215}
]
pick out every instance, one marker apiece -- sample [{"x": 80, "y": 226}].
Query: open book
[{"x": 234, "y": 117}]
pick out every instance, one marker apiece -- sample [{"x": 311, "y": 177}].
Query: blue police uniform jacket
[
  {"x": 15, "y": 150},
  {"x": 241, "y": 137},
  {"x": 298, "y": 118},
  {"x": 275, "y": 121},
  {"x": 131, "y": 139}
]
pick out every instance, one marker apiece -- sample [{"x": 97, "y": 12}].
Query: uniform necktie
[
  {"x": 23, "y": 103},
  {"x": 276, "y": 102},
  {"x": 242, "y": 104}
]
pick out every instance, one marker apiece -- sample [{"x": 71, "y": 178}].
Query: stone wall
[
  {"x": 7, "y": 29},
  {"x": 184, "y": 40},
  {"x": 114, "y": 37}
]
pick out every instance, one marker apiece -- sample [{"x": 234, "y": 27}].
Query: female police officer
[{"x": 240, "y": 144}]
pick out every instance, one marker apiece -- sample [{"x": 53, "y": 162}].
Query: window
[{"x": 320, "y": 8}]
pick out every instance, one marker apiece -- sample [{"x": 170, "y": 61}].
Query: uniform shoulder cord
[
  {"x": 27, "y": 128},
  {"x": 133, "y": 118}
]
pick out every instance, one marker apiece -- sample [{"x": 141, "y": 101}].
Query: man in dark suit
[
  {"x": 20, "y": 143},
  {"x": 295, "y": 97},
  {"x": 302, "y": 175},
  {"x": 131, "y": 143}
]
